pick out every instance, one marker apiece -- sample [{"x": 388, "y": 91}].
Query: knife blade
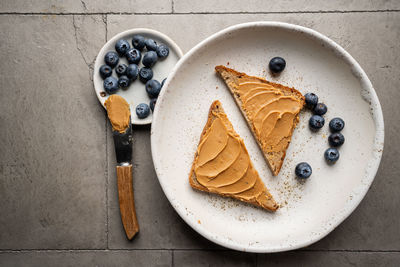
[{"x": 123, "y": 146}]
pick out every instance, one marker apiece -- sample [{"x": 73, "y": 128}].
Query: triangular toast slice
[
  {"x": 270, "y": 109},
  {"x": 222, "y": 164}
]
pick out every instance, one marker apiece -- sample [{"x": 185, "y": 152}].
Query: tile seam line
[
  {"x": 199, "y": 13},
  {"x": 106, "y": 174},
  {"x": 182, "y": 250},
  {"x": 106, "y": 155}
]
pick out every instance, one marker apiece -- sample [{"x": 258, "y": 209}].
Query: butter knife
[{"x": 123, "y": 151}]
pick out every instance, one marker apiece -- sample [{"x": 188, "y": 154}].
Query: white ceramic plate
[
  {"x": 136, "y": 92},
  {"x": 309, "y": 210}
]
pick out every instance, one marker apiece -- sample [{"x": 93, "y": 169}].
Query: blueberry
[
  {"x": 122, "y": 46},
  {"x": 149, "y": 59},
  {"x": 124, "y": 82},
  {"x": 277, "y": 64},
  {"x": 105, "y": 71},
  {"x": 336, "y": 139},
  {"x": 331, "y": 155},
  {"x": 162, "y": 51},
  {"x": 316, "y": 122},
  {"x": 320, "y": 109},
  {"x": 336, "y": 124},
  {"x": 142, "y": 110},
  {"x": 153, "y": 103},
  {"x": 153, "y": 88},
  {"x": 311, "y": 100},
  {"x": 132, "y": 71},
  {"x": 111, "y": 59},
  {"x": 121, "y": 69},
  {"x": 151, "y": 45},
  {"x": 133, "y": 56},
  {"x": 145, "y": 74},
  {"x": 303, "y": 170},
  {"x": 138, "y": 42},
  {"x": 162, "y": 83},
  {"x": 110, "y": 85}
]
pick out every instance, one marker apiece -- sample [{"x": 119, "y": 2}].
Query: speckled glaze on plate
[
  {"x": 136, "y": 93},
  {"x": 309, "y": 209}
]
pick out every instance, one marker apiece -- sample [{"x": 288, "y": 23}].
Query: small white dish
[
  {"x": 136, "y": 92},
  {"x": 310, "y": 209}
]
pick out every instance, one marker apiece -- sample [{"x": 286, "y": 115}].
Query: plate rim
[
  {"x": 371, "y": 170},
  {"x": 120, "y": 35}
]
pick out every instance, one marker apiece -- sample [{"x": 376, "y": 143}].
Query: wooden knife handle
[{"x": 126, "y": 201}]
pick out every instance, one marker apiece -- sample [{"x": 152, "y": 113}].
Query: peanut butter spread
[
  {"x": 118, "y": 112},
  {"x": 223, "y": 165},
  {"x": 271, "y": 113}
]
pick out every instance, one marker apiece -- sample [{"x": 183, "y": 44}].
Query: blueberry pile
[
  {"x": 143, "y": 50},
  {"x": 316, "y": 122},
  {"x": 335, "y": 139}
]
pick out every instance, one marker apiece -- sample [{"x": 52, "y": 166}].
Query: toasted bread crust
[
  {"x": 231, "y": 78},
  {"x": 269, "y": 204}
]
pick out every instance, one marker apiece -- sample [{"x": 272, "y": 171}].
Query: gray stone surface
[
  {"x": 317, "y": 258},
  {"x": 374, "y": 45},
  {"x": 296, "y": 258},
  {"x": 282, "y": 6},
  {"x": 52, "y": 134},
  {"x": 86, "y": 6},
  {"x": 101, "y": 258},
  {"x": 57, "y": 166},
  {"x": 214, "y": 258},
  {"x": 193, "y": 6}
]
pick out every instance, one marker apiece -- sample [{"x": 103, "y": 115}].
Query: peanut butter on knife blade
[{"x": 118, "y": 112}]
